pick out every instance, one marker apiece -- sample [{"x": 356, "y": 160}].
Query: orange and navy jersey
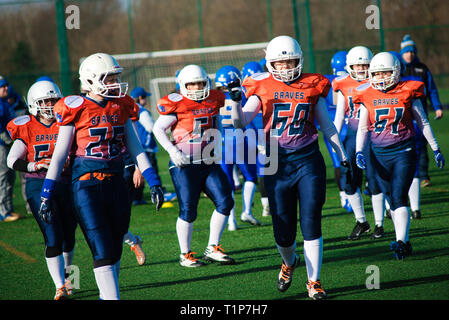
[
  {"x": 194, "y": 118},
  {"x": 40, "y": 139},
  {"x": 390, "y": 112},
  {"x": 346, "y": 85},
  {"x": 100, "y": 130},
  {"x": 288, "y": 109}
]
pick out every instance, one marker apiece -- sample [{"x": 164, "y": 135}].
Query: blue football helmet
[
  {"x": 251, "y": 68},
  {"x": 399, "y": 57},
  {"x": 225, "y": 75},
  {"x": 338, "y": 62}
]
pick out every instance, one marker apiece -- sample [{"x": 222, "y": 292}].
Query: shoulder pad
[
  {"x": 73, "y": 101},
  {"x": 174, "y": 97},
  {"x": 260, "y": 75},
  {"x": 363, "y": 86},
  {"x": 21, "y": 120},
  {"x": 339, "y": 78}
]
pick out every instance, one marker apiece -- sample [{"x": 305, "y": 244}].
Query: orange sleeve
[{"x": 67, "y": 110}]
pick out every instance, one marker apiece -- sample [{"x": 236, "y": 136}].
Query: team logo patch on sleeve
[
  {"x": 58, "y": 117},
  {"x": 161, "y": 108},
  {"x": 175, "y": 97},
  {"x": 73, "y": 101},
  {"x": 21, "y": 120}
]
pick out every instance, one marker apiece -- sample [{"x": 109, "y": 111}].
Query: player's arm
[
  {"x": 340, "y": 111},
  {"x": 328, "y": 128},
  {"x": 362, "y": 135},
  {"x": 241, "y": 117},
  {"x": 160, "y": 133},
  {"x": 140, "y": 157},
  {"x": 423, "y": 123},
  {"x": 146, "y": 121},
  {"x": 16, "y": 159}
]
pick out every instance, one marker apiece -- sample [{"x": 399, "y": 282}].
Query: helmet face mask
[
  {"x": 192, "y": 74},
  {"x": 284, "y": 48},
  {"x": 41, "y": 98},
  {"x": 100, "y": 74},
  {"x": 384, "y": 62},
  {"x": 358, "y": 55}
]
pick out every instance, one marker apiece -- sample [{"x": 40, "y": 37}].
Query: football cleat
[
  {"x": 68, "y": 287},
  {"x": 169, "y": 196},
  {"x": 215, "y": 253},
  {"x": 378, "y": 232},
  {"x": 358, "y": 230},
  {"x": 425, "y": 183},
  {"x": 138, "y": 251},
  {"x": 286, "y": 275},
  {"x": 188, "y": 260},
  {"x": 9, "y": 217},
  {"x": 401, "y": 249},
  {"x": 61, "y": 293},
  {"x": 416, "y": 214},
  {"x": 315, "y": 290},
  {"x": 248, "y": 217}
]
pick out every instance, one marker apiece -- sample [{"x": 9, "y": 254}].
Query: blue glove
[
  {"x": 45, "y": 210},
  {"x": 439, "y": 159},
  {"x": 157, "y": 196},
  {"x": 360, "y": 160}
]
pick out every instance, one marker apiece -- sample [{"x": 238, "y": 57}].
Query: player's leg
[
  {"x": 312, "y": 195},
  {"x": 414, "y": 192},
  {"x": 228, "y": 170},
  {"x": 188, "y": 182},
  {"x": 249, "y": 172},
  {"x": 218, "y": 189}
]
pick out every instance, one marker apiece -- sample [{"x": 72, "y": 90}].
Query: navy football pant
[
  {"x": 191, "y": 180},
  {"x": 395, "y": 172},
  {"x": 103, "y": 211},
  {"x": 59, "y": 236},
  {"x": 303, "y": 181}
]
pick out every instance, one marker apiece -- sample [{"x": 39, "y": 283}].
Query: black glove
[
  {"x": 157, "y": 196},
  {"x": 346, "y": 171},
  {"x": 45, "y": 210},
  {"x": 235, "y": 91}
]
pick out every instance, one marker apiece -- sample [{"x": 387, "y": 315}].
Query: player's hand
[
  {"x": 346, "y": 171},
  {"x": 235, "y": 90},
  {"x": 439, "y": 159},
  {"x": 438, "y": 114},
  {"x": 138, "y": 179},
  {"x": 42, "y": 165},
  {"x": 45, "y": 210},
  {"x": 360, "y": 160},
  {"x": 157, "y": 196},
  {"x": 179, "y": 158}
]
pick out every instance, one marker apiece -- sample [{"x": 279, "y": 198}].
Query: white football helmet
[
  {"x": 38, "y": 93},
  {"x": 284, "y": 48},
  {"x": 358, "y": 55},
  {"x": 384, "y": 61},
  {"x": 192, "y": 74},
  {"x": 93, "y": 71}
]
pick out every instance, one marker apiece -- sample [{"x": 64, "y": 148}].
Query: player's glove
[
  {"x": 235, "y": 91},
  {"x": 360, "y": 160},
  {"x": 439, "y": 159},
  {"x": 157, "y": 196},
  {"x": 178, "y": 157},
  {"x": 346, "y": 171},
  {"x": 41, "y": 165},
  {"x": 45, "y": 210}
]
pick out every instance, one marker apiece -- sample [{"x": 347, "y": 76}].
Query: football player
[
  {"x": 290, "y": 101},
  {"x": 234, "y": 154},
  {"x": 357, "y": 64},
  {"x": 192, "y": 117},
  {"x": 387, "y": 109},
  {"x": 99, "y": 128},
  {"x": 35, "y": 136},
  {"x": 249, "y": 69}
]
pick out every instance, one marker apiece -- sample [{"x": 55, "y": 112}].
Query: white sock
[
  {"x": 217, "y": 224},
  {"x": 414, "y": 194},
  {"x": 378, "y": 202},
  {"x": 107, "y": 282},
  {"x": 343, "y": 197},
  {"x": 55, "y": 266},
  {"x": 288, "y": 254},
  {"x": 264, "y": 201},
  {"x": 68, "y": 258},
  {"x": 313, "y": 255},
  {"x": 184, "y": 231},
  {"x": 130, "y": 238},
  {"x": 356, "y": 202},
  {"x": 401, "y": 223},
  {"x": 249, "y": 188}
]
